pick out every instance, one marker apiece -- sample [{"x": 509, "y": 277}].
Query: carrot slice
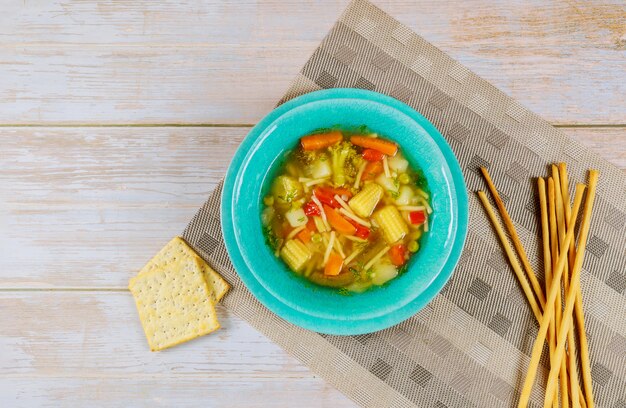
[
  {"x": 320, "y": 140},
  {"x": 384, "y": 146},
  {"x": 287, "y": 230},
  {"x": 339, "y": 223},
  {"x": 304, "y": 235},
  {"x": 311, "y": 224},
  {"x": 397, "y": 254},
  {"x": 342, "y": 191},
  {"x": 334, "y": 265},
  {"x": 372, "y": 169}
]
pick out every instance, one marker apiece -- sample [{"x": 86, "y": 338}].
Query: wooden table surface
[{"x": 116, "y": 120}]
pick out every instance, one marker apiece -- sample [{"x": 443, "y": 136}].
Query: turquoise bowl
[{"x": 303, "y": 303}]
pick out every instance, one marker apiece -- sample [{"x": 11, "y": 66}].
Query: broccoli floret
[
  {"x": 306, "y": 156},
  {"x": 353, "y": 168},
  {"x": 270, "y": 237},
  {"x": 342, "y": 155}
]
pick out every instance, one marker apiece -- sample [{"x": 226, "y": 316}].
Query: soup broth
[{"x": 346, "y": 210}]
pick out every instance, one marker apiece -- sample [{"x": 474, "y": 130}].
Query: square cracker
[
  {"x": 173, "y": 301},
  {"x": 177, "y": 247}
]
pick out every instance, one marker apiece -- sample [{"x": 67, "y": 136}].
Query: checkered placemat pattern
[{"x": 470, "y": 346}]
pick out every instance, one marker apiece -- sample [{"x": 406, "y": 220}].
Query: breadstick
[
  {"x": 584, "y": 351},
  {"x": 547, "y": 263},
  {"x": 565, "y": 214},
  {"x": 560, "y": 220},
  {"x": 571, "y": 357},
  {"x": 515, "y": 238},
  {"x": 553, "y": 240},
  {"x": 552, "y": 188},
  {"x": 570, "y": 298},
  {"x": 578, "y": 313},
  {"x": 566, "y": 207},
  {"x": 509, "y": 253},
  {"x": 581, "y": 398},
  {"x": 549, "y": 309}
]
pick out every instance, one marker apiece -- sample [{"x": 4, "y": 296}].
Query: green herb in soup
[{"x": 346, "y": 210}]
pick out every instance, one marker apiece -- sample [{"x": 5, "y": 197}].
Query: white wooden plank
[
  {"x": 609, "y": 143},
  {"x": 79, "y": 348},
  {"x": 163, "y": 391},
  {"x": 189, "y": 61},
  {"x": 108, "y": 339},
  {"x": 65, "y": 189},
  {"x": 87, "y": 207},
  {"x": 115, "y": 167}
]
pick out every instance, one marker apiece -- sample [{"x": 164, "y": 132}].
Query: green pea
[
  {"x": 417, "y": 234},
  {"x": 404, "y": 178},
  {"x": 268, "y": 200},
  {"x": 413, "y": 246}
]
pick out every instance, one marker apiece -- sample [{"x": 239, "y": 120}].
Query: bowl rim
[
  {"x": 254, "y": 176},
  {"x": 339, "y": 326}
]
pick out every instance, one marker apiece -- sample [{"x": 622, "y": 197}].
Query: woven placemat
[{"x": 470, "y": 346}]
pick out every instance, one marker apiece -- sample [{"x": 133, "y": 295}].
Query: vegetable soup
[{"x": 346, "y": 210}]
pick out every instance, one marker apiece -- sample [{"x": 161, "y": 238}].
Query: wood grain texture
[
  {"x": 50, "y": 357},
  {"x": 116, "y": 190},
  {"x": 83, "y": 208},
  {"x": 608, "y": 143},
  {"x": 87, "y": 207},
  {"x": 188, "y": 61}
]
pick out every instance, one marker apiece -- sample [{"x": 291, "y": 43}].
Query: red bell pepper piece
[
  {"x": 372, "y": 155},
  {"x": 326, "y": 196},
  {"x": 311, "y": 209},
  {"x": 361, "y": 231},
  {"x": 417, "y": 217}
]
